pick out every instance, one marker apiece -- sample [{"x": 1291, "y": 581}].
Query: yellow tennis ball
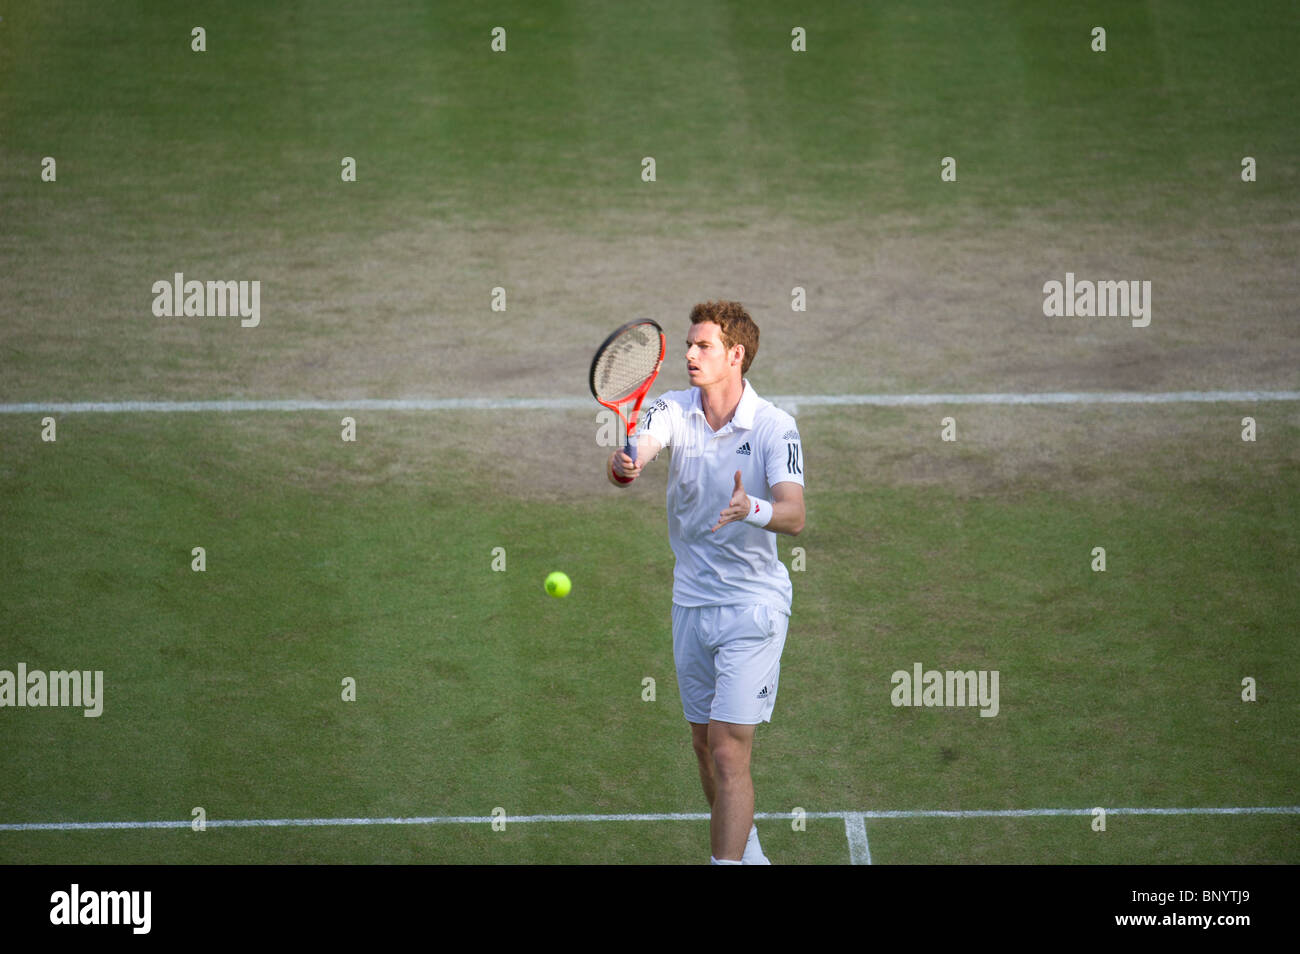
[{"x": 557, "y": 584}]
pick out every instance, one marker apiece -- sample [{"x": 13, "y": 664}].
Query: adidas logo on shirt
[
  {"x": 762, "y": 693},
  {"x": 744, "y": 448}
]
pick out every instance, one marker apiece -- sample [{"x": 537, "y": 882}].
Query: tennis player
[{"x": 735, "y": 482}]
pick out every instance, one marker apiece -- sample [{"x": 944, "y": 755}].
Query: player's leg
[
  {"x": 749, "y": 643},
  {"x": 730, "y": 746},
  {"x": 700, "y": 743},
  {"x": 695, "y": 680}
]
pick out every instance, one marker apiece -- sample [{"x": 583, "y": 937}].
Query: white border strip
[
  {"x": 847, "y": 816},
  {"x": 574, "y": 403}
]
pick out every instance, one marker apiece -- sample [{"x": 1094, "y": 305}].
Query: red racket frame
[{"x": 639, "y": 395}]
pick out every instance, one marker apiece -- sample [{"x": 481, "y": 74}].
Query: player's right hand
[{"x": 624, "y": 467}]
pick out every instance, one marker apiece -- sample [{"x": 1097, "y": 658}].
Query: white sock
[
  {"x": 723, "y": 861},
  {"x": 753, "y": 850}
]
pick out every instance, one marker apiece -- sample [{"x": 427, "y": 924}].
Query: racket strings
[{"x": 624, "y": 366}]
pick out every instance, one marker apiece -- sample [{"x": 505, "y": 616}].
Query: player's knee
[
  {"x": 700, "y": 743},
  {"x": 729, "y": 769},
  {"x": 730, "y": 759}
]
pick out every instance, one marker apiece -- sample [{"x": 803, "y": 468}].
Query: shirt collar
[{"x": 744, "y": 416}]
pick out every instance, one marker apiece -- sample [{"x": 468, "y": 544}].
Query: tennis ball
[{"x": 557, "y": 584}]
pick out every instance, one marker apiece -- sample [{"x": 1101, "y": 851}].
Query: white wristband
[{"x": 760, "y": 512}]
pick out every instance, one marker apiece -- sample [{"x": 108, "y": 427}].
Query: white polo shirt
[{"x": 738, "y": 563}]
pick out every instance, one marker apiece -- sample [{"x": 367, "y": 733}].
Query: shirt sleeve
[
  {"x": 657, "y": 420},
  {"x": 783, "y": 452}
]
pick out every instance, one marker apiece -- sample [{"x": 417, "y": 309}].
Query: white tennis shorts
[{"x": 728, "y": 661}]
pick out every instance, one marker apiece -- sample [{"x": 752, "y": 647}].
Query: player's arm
[
  {"x": 654, "y": 432},
  {"x": 787, "y": 508},
  {"x": 620, "y": 470}
]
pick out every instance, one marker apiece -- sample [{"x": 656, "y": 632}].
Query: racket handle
[{"x": 630, "y": 448}]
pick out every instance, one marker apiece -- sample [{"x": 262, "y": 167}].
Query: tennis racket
[{"x": 624, "y": 367}]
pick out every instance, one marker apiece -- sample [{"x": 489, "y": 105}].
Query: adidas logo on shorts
[
  {"x": 744, "y": 448},
  {"x": 762, "y": 693}
]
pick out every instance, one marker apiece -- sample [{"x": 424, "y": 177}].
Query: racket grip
[{"x": 630, "y": 448}]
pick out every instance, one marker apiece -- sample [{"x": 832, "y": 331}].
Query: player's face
[{"x": 707, "y": 360}]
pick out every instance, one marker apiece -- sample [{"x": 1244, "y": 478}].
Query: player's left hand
[{"x": 737, "y": 509}]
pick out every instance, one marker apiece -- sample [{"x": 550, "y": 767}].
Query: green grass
[
  {"x": 475, "y": 690},
  {"x": 249, "y": 135}
]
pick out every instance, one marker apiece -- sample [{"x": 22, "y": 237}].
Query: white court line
[
  {"x": 1050, "y": 397},
  {"x": 855, "y": 829},
  {"x": 575, "y": 403},
  {"x": 670, "y": 816}
]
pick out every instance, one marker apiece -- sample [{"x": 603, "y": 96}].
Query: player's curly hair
[{"x": 737, "y": 328}]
